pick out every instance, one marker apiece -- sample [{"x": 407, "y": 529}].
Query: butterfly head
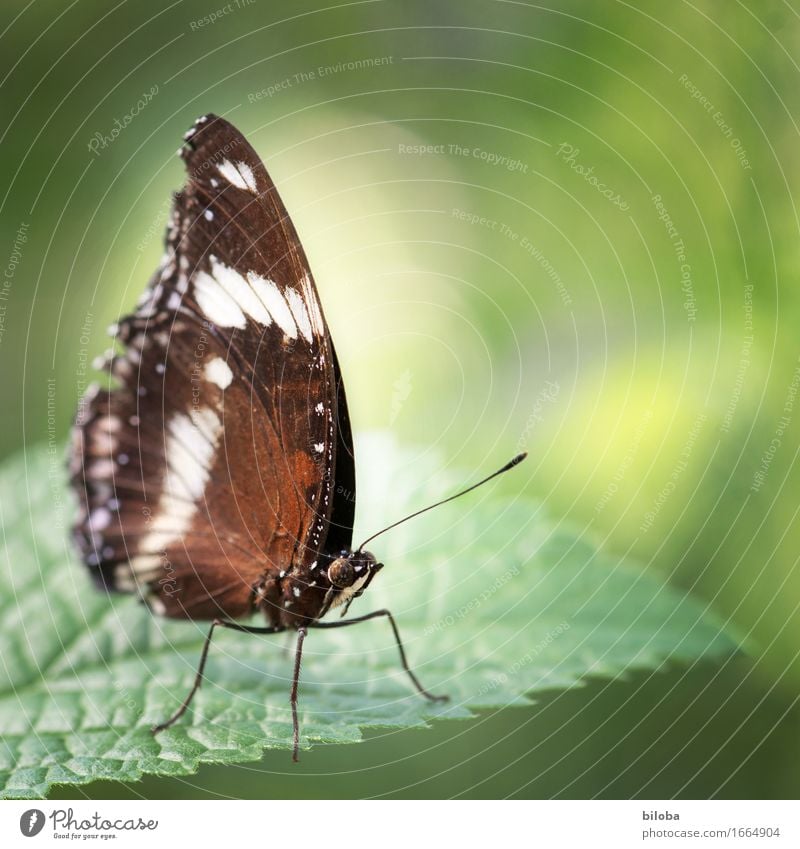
[
  {"x": 350, "y": 572},
  {"x": 349, "y": 575}
]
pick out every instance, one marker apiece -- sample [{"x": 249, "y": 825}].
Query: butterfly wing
[
  {"x": 206, "y": 468},
  {"x": 340, "y": 528}
]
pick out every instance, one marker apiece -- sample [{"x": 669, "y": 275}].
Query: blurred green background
[{"x": 570, "y": 228}]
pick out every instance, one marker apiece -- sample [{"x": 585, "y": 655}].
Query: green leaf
[{"x": 495, "y": 602}]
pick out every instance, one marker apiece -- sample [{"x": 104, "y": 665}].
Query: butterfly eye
[{"x": 341, "y": 573}]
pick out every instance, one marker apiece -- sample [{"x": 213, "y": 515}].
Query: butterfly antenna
[{"x": 509, "y": 465}]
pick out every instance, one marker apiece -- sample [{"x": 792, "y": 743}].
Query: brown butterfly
[{"x": 216, "y": 475}]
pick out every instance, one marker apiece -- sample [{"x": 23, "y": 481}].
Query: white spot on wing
[
  {"x": 319, "y": 447},
  {"x": 310, "y": 299},
  {"x": 274, "y": 301},
  {"x": 100, "y": 519},
  {"x": 219, "y": 372},
  {"x": 208, "y": 215},
  {"x": 144, "y": 567},
  {"x": 236, "y": 287},
  {"x": 123, "y": 579},
  {"x": 226, "y": 298},
  {"x": 104, "y": 443},
  {"x": 101, "y": 469},
  {"x": 207, "y": 422},
  {"x": 189, "y": 455},
  {"x": 299, "y": 312},
  {"x": 238, "y": 174},
  {"x": 217, "y": 305},
  {"x": 109, "y": 423},
  {"x": 156, "y": 605},
  {"x": 249, "y": 176}
]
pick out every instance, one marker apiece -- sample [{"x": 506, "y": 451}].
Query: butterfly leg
[
  {"x": 198, "y": 679},
  {"x": 374, "y": 615},
  {"x": 298, "y": 652}
]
